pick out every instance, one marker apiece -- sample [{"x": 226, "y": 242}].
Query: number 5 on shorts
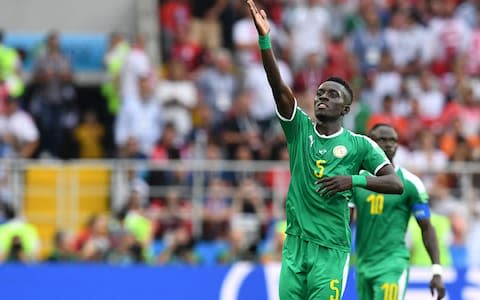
[{"x": 333, "y": 287}]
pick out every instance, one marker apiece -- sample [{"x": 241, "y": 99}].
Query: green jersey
[
  {"x": 382, "y": 221},
  {"x": 322, "y": 220}
]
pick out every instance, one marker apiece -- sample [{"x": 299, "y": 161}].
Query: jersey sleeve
[
  {"x": 291, "y": 126},
  {"x": 417, "y": 195},
  {"x": 373, "y": 156}
]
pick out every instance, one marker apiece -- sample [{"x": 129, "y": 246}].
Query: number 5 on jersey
[{"x": 320, "y": 164}]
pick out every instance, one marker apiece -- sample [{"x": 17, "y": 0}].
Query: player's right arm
[{"x": 282, "y": 94}]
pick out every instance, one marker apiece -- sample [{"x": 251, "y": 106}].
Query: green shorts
[
  {"x": 310, "y": 271},
  {"x": 390, "y": 285}
]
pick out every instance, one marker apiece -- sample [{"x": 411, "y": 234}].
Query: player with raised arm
[
  {"x": 382, "y": 256},
  {"x": 325, "y": 160}
]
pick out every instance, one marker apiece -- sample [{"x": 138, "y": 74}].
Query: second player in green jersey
[{"x": 382, "y": 220}]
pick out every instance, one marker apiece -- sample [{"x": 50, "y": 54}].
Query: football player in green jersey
[
  {"x": 382, "y": 219},
  {"x": 325, "y": 161}
]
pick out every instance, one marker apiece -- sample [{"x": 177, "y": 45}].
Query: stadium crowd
[{"x": 414, "y": 64}]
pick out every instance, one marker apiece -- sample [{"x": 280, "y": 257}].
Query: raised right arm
[{"x": 282, "y": 94}]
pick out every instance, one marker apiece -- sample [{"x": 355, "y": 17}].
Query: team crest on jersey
[{"x": 340, "y": 151}]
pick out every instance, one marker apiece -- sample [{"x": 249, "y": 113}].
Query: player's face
[
  {"x": 387, "y": 139},
  {"x": 329, "y": 102}
]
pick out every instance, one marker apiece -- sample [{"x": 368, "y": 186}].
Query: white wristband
[{"x": 437, "y": 269}]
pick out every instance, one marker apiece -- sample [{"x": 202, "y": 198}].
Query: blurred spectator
[
  {"x": 239, "y": 248},
  {"x": 387, "y": 116},
  {"x": 205, "y": 24},
  {"x": 178, "y": 96},
  {"x": 263, "y": 110},
  {"x": 245, "y": 38},
  {"x": 53, "y": 97},
  {"x": 386, "y": 81},
  {"x": 427, "y": 157},
  {"x": 173, "y": 14},
  {"x": 114, "y": 60},
  {"x": 278, "y": 179},
  {"x": 307, "y": 21},
  {"x": 239, "y": 127},
  {"x": 472, "y": 240},
  {"x": 137, "y": 65},
  {"x": 274, "y": 244},
  {"x": 89, "y": 136},
  {"x": 243, "y": 154},
  {"x": 173, "y": 212},
  {"x": 415, "y": 124},
  {"x": 128, "y": 251},
  {"x": 62, "y": 248},
  {"x": 451, "y": 137},
  {"x": 186, "y": 50},
  {"x": 218, "y": 84},
  {"x": 19, "y": 240},
  {"x": 135, "y": 218},
  {"x": 339, "y": 12},
  {"x": 452, "y": 36},
  {"x": 10, "y": 71},
  {"x": 212, "y": 152},
  {"x": 405, "y": 40},
  {"x": 443, "y": 200},
  {"x": 179, "y": 248},
  {"x": 19, "y": 133},
  {"x": 140, "y": 119},
  {"x": 134, "y": 178},
  {"x": 431, "y": 100},
  {"x": 216, "y": 211},
  {"x": 6, "y": 212},
  {"x": 309, "y": 73},
  {"x": 168, "y": 147},
  {"x": 97, "y": 242},
  {"x": 340, "y": 59},
  {"x": 359, "y": 114},
  {"x": 468, "y": 11},
  {"x": 464, "y": 113},
  {"x": 249, "y": 213},
  {"x": 445, "y": 203},
  {"x": 369, "y": 41}
]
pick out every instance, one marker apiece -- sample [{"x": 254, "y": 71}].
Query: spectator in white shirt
[
  {"x": 404, "y": 39},
  {"x": 308, "y": 24},
  {"x": 430, "y": 97},
  {"x": 178, "y": 96},
  {"x": 18, "y": 131},
  {"x": 137, "y": 63},
  {"x": 140, "y": 119},
  {"x": 263, "y": 105}
]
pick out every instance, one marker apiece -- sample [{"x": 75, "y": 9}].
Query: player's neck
[{"x": 327, "y": 128}]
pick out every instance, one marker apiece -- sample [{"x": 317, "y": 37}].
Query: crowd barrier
[{"x": 240, "y": 281}]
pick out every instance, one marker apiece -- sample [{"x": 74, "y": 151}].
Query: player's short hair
[
  {"x": 380, "y": 125},
  {"x": 345, "y": 85}
]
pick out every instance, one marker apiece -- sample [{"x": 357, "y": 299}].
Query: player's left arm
[
  {"x": 431, "y": 245},
  {"x": 418, "y": 196},
  {"x": 385, "y": 181},
  {"x": 374, "y": 161}
]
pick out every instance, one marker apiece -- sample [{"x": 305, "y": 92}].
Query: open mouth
[{"x": 322, "y": 106}]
